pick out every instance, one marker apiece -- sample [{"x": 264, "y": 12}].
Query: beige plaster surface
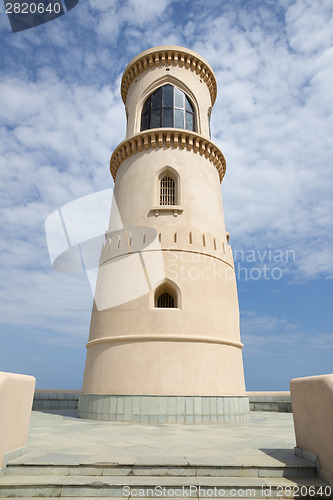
[
  {"x": 312, "y": 404},
  {"x": 175, "y": 368},
  {"x": 199, "y": 195},
  {"x": 16, "y": 396}
]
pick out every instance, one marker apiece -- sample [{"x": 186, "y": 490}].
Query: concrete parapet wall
[
  {"x": 16, "y": 395},
  {"x": 312, "y": 400},
  {"x": 270, "y": 401},
  {"x": 63, "y": 400},
  {"x": 55, "y": 400}
]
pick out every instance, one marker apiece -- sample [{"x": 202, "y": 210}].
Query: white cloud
[
  {"x": 273, "y": 121},
  {"x": 61, "y": 116},
  {"x": 309, "y": 25},
  {"x": 56, "y": 141}
]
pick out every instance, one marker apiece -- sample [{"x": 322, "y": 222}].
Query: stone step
[
  {"x": 299, "y": 468},
  {"x": 152, "y": 487}
]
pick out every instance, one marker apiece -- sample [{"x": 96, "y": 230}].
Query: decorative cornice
[
  {"x": 169, "y": 138},
  {"x": 169, "y": 56}
]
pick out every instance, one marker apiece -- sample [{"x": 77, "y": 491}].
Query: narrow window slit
[{"x": 167, "y": 191}]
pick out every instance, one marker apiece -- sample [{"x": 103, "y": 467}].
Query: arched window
[
  {"x": 168, "y": 107},
  {"x": 167, "y": 190},
  {"x": 165, "y": 300},
  {"x": 166, "y": 296}
]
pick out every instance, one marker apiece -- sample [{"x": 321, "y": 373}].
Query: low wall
[
  {"x": 270, "y": 401},
  {"x": 68, "y": 400},
  {"x": 16, "y": 395},
  {"x": 55, "y": 400},
  {"x": 312, "y": 400}
]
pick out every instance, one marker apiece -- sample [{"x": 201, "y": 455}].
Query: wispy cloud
[
  {"x": 275, "y": 336},
  {"x": 273, "y": 120}
]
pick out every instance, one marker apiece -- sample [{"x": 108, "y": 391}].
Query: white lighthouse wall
[{"x": 136, "y": 348}]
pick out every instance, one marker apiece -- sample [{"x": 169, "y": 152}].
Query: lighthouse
[{"x": 164, "y": 342}]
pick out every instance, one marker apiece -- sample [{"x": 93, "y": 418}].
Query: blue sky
[{"x": 62, "y": 116}]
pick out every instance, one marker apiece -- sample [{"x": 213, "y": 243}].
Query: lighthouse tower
[{"x": 164, "y": 343}]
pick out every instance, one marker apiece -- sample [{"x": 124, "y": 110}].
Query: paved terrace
[{"x": 60, "y": 437}]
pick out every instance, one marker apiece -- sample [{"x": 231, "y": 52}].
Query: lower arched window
[
  {"x": 165, "y": 300},
  {"x": 166, "y": 296}
]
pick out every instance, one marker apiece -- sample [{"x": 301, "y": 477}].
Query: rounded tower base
[{"x": 164, "y": 409}]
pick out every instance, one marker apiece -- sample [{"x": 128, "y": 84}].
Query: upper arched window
[{"x": 167, "y": 107}]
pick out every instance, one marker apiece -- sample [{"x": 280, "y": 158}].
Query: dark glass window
[
  {"x": 188, "y": 105},
  {"x": 155, "y": 118},
  {"x": 189, "y": 121},
  {"x": 168, "y": 107},
  {"x": 156, "y": 99},
  {"x": 145, "y": 121},
  {"x": 179, "y": 118},
  {"x": 167, "y": 117},
  {"x": 179, "y": 99},
  {"x": 168, "y": 96}
]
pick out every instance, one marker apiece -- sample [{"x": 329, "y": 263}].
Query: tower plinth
[{"x": 164, "y": 342}]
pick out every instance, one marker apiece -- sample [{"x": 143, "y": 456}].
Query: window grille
[
  {"x": 167, "y": 191},
  {"x": 165, "y": 300}
]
